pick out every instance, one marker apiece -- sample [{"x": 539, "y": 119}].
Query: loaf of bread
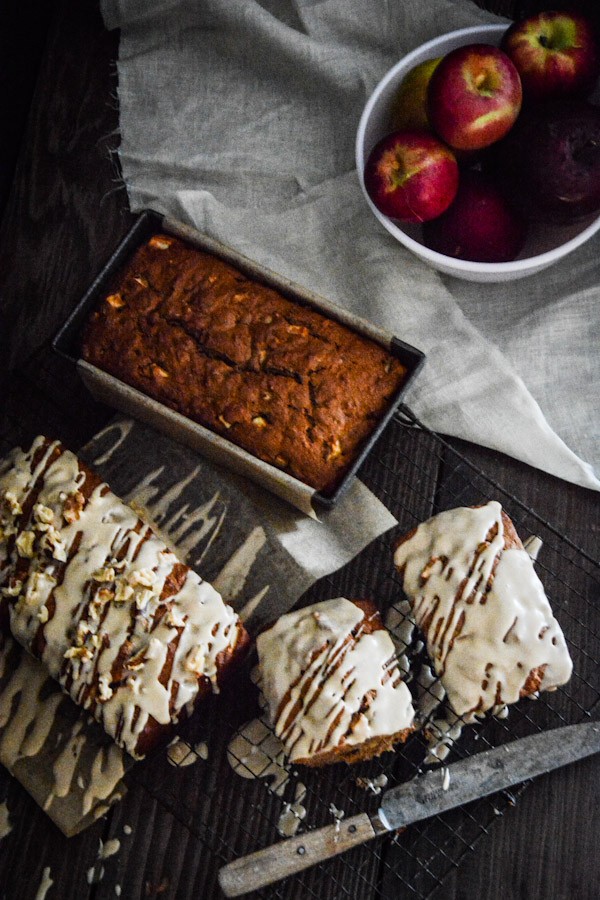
[
  {"x": 333, "y": 689},
  {"x": 291, "y": 386},
  {"x": 476, "y": 597},
  {"x": 129, "y": 632}
]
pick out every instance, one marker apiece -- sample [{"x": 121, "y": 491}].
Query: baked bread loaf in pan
[
  {"x": 280, "y": 379},
  {"x": 475, "y": 595},
  {"x": 131, "y": 634},
  {"x": 334, "y": 692}
]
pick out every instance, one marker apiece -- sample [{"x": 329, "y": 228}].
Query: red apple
[
  {"x": 556, "y": 54},
  {"x": 412, "y": 176},
  {"x": 474, "y": 96},
  {"x": 550, "y": 161},
  {"x": 479, "y": 225}
]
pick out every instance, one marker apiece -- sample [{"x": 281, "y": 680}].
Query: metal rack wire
[{"x": 416, "y": 473}]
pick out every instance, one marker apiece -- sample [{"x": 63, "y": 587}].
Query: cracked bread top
[{"x": 280, "y": 379}]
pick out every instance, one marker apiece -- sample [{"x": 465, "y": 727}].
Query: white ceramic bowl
[{"x": 546, "y": 244}]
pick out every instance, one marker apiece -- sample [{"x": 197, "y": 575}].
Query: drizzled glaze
[
  {"x": 128, "y": 631},
  {"x": 483, "y": 609},
  {"x": 328, "y": 683}
]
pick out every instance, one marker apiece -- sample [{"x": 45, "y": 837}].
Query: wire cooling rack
[{"x": 416, "y": 474}]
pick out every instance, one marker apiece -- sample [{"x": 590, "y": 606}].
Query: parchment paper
[{"x": 257, "y": 550}]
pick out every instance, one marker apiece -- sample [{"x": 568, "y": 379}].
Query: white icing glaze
[
  {"x": 374, "y": 785},
  {"x": 328, "y": 682},
  {"x": 482, "y": 608},
  {"x": 293, "y": 814},
  {"x": 255, "y": 752},
  {"x": 94, "y": 580},
  {"x": 31, "y": 716},
  {"x": 181, "y": 754},
  {"x": 27, "y": 718},
  {"x": 109, "y": 848},
  {"x": 45, "y": 884}
]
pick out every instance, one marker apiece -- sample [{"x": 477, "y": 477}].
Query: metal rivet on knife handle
[{"x": 295, "y": 854}]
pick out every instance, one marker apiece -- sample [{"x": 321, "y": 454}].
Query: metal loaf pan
[{"x": 113, "y": 392}]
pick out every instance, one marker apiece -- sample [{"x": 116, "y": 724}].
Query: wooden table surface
[{"x": 62, "y": 216}]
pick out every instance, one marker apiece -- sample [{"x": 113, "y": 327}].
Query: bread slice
[
  {"x": 475, "y": 595},
  {"x": 333, "y": 689}
]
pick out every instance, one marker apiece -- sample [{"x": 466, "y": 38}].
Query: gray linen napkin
[{"x": 239, "y": 116}]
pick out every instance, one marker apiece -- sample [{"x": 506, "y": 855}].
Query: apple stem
[{"x": 544, "y": 40}]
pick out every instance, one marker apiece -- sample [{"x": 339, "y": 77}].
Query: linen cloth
[{"x": 239, "y": 117}]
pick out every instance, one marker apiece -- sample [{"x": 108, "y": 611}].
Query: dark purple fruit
[
  {"x": 550, "y": 162},
  {"x": 479, "y": 225}
]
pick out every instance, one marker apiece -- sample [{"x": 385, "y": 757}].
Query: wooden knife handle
[{"x": 295, "y": 854}]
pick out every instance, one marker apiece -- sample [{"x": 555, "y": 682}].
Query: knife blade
[{"x": 426, "y": 795}]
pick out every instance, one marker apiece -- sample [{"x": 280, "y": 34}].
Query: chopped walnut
[
  {"x": 39, "y": 583},
  {"x": 141, "y": 281},
  {"x": 105, "y": 595},
  {"x": 159, "y": 371},
  {"x": 94, "y": 640},
  {"x": 260, "y": 422},
  {"x": 83, "y": 629},
  {"x": 142, "y": 599},
  {"x": 240, "y": 296},
  {"x": 298, "y": 329},
  {"x": 142, "y": 577},
  {"x": 105, "y": 574},
  {"x": 224, "y": 422},
  {"x": 53, "y": 542},
  {"x": 25, "y": 543},
  {"x": 73, "y": 505},
  {"x": 13, "y": 504},
  {"x": 78, "y": 653},
  {"x": 43, "y": 514},
  {"x": 160, "y": 243},
  {"x": 115, "y": 300},
  {"x": 123, "y": 592},
  {"x": 281, "y": 460}
]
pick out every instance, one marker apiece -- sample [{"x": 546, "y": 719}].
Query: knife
[{"x": 425, "y": 795}]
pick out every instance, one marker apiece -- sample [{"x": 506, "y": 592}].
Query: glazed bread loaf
[
  {"x": 334, "y": 691},
  {"x": 130, "y": 633},
  {"x": 475, "y": 595},
  {"x": 289, "y": 385}
]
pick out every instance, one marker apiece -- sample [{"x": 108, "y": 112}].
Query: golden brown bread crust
[{"x": 296, "y": 389}]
